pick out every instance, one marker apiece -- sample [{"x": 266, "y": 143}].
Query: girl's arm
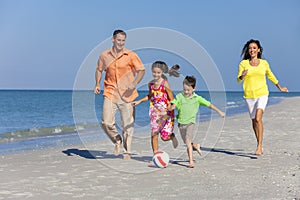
[
  {"x": 170, "y": 96},
  {"x": 145, "y": 98},
  {"x": 211, "y": 106},
  {"x": 169, "y": 91},
  {"x": 171, "y": 107}
]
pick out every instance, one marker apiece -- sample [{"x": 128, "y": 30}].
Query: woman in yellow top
[{"x": 253, "y": 70}]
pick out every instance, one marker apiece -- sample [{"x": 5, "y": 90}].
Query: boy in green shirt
[{"x": 187, "y": 103}]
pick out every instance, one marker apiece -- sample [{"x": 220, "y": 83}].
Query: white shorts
[{"x": 255, "y": 103}]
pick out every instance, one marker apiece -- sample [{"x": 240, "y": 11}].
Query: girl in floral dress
[{"x": 160, "y": 96}]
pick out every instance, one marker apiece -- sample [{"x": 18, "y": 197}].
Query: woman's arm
[
  {"x": 242, "y": 72},
  {"x": 282, "y": 89}
]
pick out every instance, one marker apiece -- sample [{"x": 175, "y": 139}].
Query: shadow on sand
[
  {"x": 91, "y": 154},
  {"x": 238, "y": 152}
]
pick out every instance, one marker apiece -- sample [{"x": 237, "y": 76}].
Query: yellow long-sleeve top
[{"x": 255, "y": 83}]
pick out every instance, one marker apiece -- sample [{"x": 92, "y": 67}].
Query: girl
[{"x": 160, "y": 95}]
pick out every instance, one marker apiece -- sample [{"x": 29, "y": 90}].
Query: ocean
[{"x": 41, "y": 119}]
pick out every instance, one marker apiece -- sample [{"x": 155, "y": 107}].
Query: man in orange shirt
[{"x": 124, "y": 70}]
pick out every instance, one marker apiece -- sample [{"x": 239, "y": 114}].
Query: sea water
[{"x": 39, "y": 119}]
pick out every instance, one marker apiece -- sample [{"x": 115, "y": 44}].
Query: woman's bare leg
[{"x": 258, "y": 130}]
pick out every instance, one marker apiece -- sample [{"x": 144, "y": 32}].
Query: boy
[{"x": 187, "y": 103}]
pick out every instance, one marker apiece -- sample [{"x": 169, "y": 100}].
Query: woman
[{"x": 253, "y": 71}]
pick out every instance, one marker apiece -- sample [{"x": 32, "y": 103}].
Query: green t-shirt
[{"x": 188, "y": 107}]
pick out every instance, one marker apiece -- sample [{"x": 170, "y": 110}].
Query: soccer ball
[{"x": 161, "y": 159}]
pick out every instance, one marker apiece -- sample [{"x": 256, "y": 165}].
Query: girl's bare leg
[{"x": 154, "y": 143}]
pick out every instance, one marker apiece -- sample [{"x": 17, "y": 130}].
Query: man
[{"x": 124, "y": 70}]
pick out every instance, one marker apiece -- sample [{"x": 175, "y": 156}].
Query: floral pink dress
[{"x": 162, "y": 121}]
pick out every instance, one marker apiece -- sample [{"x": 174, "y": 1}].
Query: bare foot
[
  {"x": 117, "y": 148},
  {"x": 191, "y": 165},
  {"x": 259, "y": 151},
  {"x": 126, "y": 157},
  {"x": 151, "y": 164},
  {"x": 197, "y": 148}
]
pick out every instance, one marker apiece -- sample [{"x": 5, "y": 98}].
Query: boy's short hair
[
  {"x": 116, "y": 32},
  {"x": 190, "y": 80}
]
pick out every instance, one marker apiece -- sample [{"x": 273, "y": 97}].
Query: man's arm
[
  {"x": 98, "y": 76},
  {"x": 139, "y": 77}
]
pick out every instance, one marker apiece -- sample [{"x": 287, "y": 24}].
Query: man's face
[{"x": 119, "y": 42}]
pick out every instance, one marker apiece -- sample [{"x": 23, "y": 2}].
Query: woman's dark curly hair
[{"x": 245, "y": 52}]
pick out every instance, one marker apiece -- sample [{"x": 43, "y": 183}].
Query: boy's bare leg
[
  {"x": 174, "y": 141},
  {"x": 190, "y": 153},
  {"x": 197, "y": 148}
]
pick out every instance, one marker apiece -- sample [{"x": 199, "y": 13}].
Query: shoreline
[
  {"x": 23, "y": 140},
  {"x": 228, "y": 170}
]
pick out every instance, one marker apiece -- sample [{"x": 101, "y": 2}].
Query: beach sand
[{"x": 228, "y": 169}]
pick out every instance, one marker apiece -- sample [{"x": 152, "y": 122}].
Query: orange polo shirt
[{"x": 120, "y": 72}]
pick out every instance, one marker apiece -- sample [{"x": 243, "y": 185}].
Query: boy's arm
[{"x": 211, "y": 106}]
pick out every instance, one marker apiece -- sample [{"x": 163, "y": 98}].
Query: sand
[{"x": 228, "y": 169}]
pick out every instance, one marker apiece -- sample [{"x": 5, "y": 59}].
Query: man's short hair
[{"x": 116, "y": 32}]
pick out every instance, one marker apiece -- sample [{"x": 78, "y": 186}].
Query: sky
[{"x": 46, "y": 44}]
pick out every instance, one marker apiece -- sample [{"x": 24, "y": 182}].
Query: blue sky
[{"x": 44, "y": 43}]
